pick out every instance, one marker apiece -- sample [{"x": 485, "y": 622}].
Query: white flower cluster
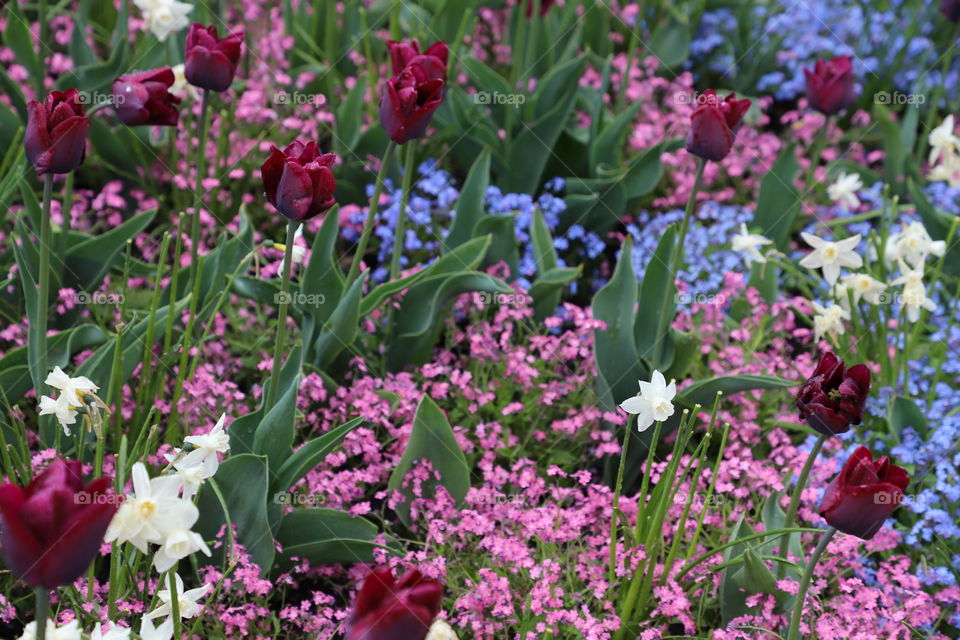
[
  {"x": 944, "y": 157},
  {"x": 908, "y": 249},
  {"x": 161, "y": 510},
  {"x": 70, "y": 400},
  {"x": 163, "y": 17}
]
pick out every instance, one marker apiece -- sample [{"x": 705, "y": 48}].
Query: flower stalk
[
  {"x": 794, "y": 631},
  {"x": 795, "y": 499},
  {"x": 282, "y": 310},
  {"x": 371, "y": 215}
]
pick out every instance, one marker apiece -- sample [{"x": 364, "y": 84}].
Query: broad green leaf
[
  {"x": 243, "y": 480},
  {"x": 670, "y": 42},
  {"x": 341, "y": 328},
  {"x": 704, "y": 392},
  {"x": 432, "y": 439},
  {"x": 779, "y": 201},
  {"x": 905, "y": 413},
  {"x": 503, "y": 245},
  {"x": 470, "y": 209},
  {"x": 311, "y": 454},
  {"x": 88, "y": 262},
  {"x": 275, "y": 434},
  {"x": 645, "y": 170},
  {"x": 322, "y": 277},
  {"x": 658, "y": 301},
  {"x": 326, "y": 536},
  {"x": 615, "y": 349}
]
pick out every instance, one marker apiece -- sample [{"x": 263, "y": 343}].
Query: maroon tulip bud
[
  {"x": 713, "y": 125},
  {"x": 950, "y": 10},
  {"x": 830, "y": 85},
  {"x": 433, "y": 61},
  {"x": 833, "y": 397},
  {"x": 391, "y": 609},
  {"x": 142, "y": 98},
  {"x": 864, "y": 494},
  {"x": 298, "y": 180},
  {"x": 210, "y": 63},
  {"x": 51, "y": 530},
  {"x": 56, "y": 134}
]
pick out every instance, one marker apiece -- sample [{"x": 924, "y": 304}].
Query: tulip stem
[
  {"x": 371, "y": 215},
  {"x": 816, "y": 152},
  {"x": 197, "y": 197},
  {"x": 794, "y": 631},
  {"x": 43, "y": 297},
  {"x": 795, "y": 501},
  {"x": 617, "y": 490},
  {"x": 282, "y": 305},
  {"x": 43, "y": 611},
  {"x": 678, "y": 253},
  {"x": 411, "y": 155}
]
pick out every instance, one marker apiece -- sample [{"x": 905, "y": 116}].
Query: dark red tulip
[
  {"x": 298, "y": 180},
  {"x": 142, "y": 98},
  {"x": 833, "y": 397},
  {"x": 950, "y": 9},
  {"x": 51, "y": 530},
  {"x": 210, "y": 63},
  {"x": 864, "y": 494},
  {"x": 830, "y": 85},
  {"x": 56, "y": 134},
  {"x": 391, "y": 609},
  {"x": 415, "y": 92},
  {"x": 713, "y": 125},
  {"x": 433, "y": 61}
]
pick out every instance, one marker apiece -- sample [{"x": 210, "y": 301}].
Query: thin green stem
[
  {"x": 617, "y": 490},
  {"x": 43, "y": 296},
  {"x": 371, "y": 214},
  {"x": 794, "y": 632},
  {"x": 43, "y": 611},
  {"x": 198, "y": 185},
  {"x": 795, "y": 499},
  {"x": 398, "y": 239},
  {"x": 175, "y": 603},
  {"x": 282, "y": 306}
]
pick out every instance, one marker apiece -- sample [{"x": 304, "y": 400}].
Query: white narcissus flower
[
  {"x": 831, "y": 256},
  {"x": 440, "y": 630},
  {"x": 207, "y": 447},
  {"x": 864, "y": 287},
  {"x": 72, "y": 388},
  {"x": 189, "y": 601},
  {"x": 116, "y": 632},
  {"x": 654, "y": 404},
  {"x": 66, "y": 415},
  {"x": 299, "y": 253},
  {"x": 150, "y": 632},
  {"x": 69, "y": 631},
  {"x": 844, "y": 190},
  {"x": 177, "y": 545},
  {"x": 153, "y": 510},
  {"x": 947, "y": 171},
  {"x": 829, "y": 321},
  {"x": 163, "y": 17},
  {"x": 190, "y": 478},
  {"x": 914, "y": 297},
  {"x": 749, "y": 244},
  {"x": 914, "y": 244},
  {"x": 943, "y": 140},
  {"x": 180, "y": 85}
]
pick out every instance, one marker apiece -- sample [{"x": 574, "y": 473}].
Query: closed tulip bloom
[
  {"x": 56, "y": 134},
  {"x": 51, "y": 529},
  {"x": 298, "y": 180},
  {"x": 143, "y": 98},
  {"x": 433, "y": 61},
  {"x": 410, "y": 97},
  {"x": 833, "y": 397},
  {"x": 713, "y": 125},
  {"x": 209, "y": 62},
  {"x": 864, "y": 494},
  {"x": 830, "y": 85},
  {"x": 392, "y": 609}
]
